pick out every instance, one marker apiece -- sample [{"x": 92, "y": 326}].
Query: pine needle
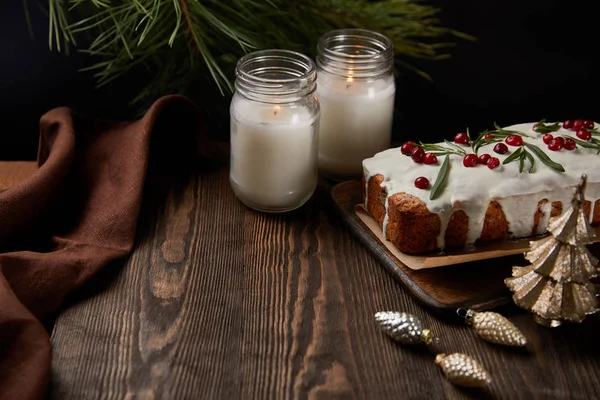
[
  {"x": 28, "y": 19},
  {"x": 58, "y": 32}
]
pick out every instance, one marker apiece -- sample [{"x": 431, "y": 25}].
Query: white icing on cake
[{"x": 472, "y": 189}]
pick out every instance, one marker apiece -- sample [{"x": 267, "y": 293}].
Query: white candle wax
[
  {"x": 273, "y": 154},
  {"x": 356, "y": 122}
]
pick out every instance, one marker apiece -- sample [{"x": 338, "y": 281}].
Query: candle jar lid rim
[
  {"x": 276, "y": 72},
  {"x": 383, "y": 42},
  {"x": 263, "y": 55},
  {"x": 366, "y": 53}
]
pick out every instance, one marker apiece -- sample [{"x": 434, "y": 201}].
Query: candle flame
[
  {"x": 349, "y": 79},
  {"x": 276, "y": 109}
]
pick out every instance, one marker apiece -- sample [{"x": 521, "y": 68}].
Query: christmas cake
[{"x": 504, "y": 183}]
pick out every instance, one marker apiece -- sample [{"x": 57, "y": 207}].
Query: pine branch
[{"x": 210, "y": 35}]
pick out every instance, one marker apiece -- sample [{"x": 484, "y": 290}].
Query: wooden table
[{"x": 218, "y": 301}]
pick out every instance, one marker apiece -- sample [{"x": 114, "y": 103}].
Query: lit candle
[
  {"x": 356, "y": 122},
  {"x": 356, "y": 91},
  {"x": 273, "y": 154},
  {"x": 274, "y": 126}
]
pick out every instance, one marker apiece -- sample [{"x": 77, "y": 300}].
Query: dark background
[{"x": 532, "y": 60}]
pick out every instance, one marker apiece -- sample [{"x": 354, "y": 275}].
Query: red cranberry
[
  {"x": 470, "y": 160},
  {"x": 461, "y": 138},
  {"x": 484, "y": 158},
  {"x": 556, "y": 144},
  {"x": 501, "y": 148},
  {"x": 583, "y": 134},
  {"x": 429, "y": 159},
  {"x": 407, "y": 148},
  {"x": 493, "y": 162},
  {"x": 488, "y": 137},
  {"x": 568, "y": 124},
  {"x": 422, "y": 182},
  {"x": 547, "y": 138},
  {"x": 570, "y": 144},
  {"x": 588, "y": 124},
  {"x": 578, "y": 125},
  {"x": 514, "y": 140},
  {"x": 417, "y": 154}
]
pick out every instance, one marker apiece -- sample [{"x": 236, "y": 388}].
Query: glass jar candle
[
  {"x": 356, "y": 91},
  {"x": 274, "y": 130}
]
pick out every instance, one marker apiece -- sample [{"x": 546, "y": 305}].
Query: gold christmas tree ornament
[
  {"x": 556, "y": 285},
  {"x": 462, "y": 370},
  {"x": 403, "y": 327},
  {"x": 493, "y": 327}
]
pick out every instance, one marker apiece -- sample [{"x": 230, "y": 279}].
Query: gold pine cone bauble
[
  {"x": 403, "y": 327},
  {"x": 462, "y": 370},
  {"x": 495, "y": 328}
]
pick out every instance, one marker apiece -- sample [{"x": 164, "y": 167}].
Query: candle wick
[
  {"x": 275, "y": 112},
  {"x": 348, "y": 85}
]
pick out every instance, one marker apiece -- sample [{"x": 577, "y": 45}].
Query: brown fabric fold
[{"x": 75, "y": 215}]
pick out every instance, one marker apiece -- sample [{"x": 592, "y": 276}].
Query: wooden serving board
[{"x": 478, "y": 284}]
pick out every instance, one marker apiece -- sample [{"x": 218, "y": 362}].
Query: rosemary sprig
[
  {"x": 594, "y": 144},
  {"x": 583, "y": 143},
  {"x": 496, "y": 134},
  {"x": 541, "y": 127},
  {"x": 441, "y": 178},
  {"x": 440, "y": 150},
  {"x": 501, "y": 132},
  {"x": 456, "y": 147},
  {"x": 521, "y": 163},
  {"x": 482, "y": 141},
  {"x": 543, "y": 157},
  {"x": 521, "y": 155},
  {"x": 515, "y": 155},
  {"x": 531, "y": 161}
]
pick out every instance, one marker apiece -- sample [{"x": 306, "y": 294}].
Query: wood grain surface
[{"x": 220, "y": 302}]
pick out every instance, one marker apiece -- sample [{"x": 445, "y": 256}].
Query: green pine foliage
[{"x": 181, "y": 41}]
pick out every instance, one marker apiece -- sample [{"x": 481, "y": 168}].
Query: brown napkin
[{"x": 74, "y": 216}]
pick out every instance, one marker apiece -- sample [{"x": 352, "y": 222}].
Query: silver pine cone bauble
[
  {"x": 402, "y": 327},
  {"x": 462, "y": 370},
  {"x": 495, "y": 328}
]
